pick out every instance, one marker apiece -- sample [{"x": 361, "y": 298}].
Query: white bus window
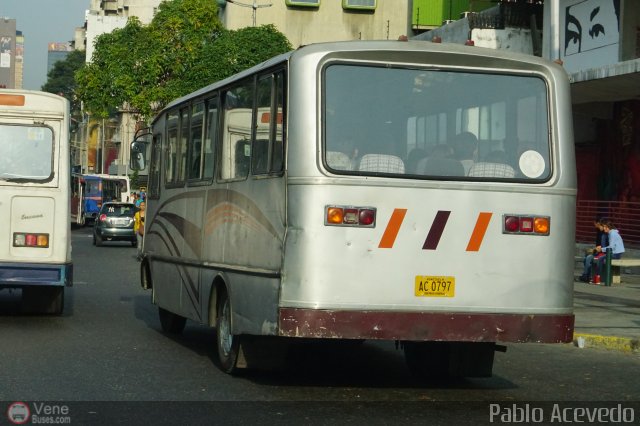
[
  {"x": 416, "y": 116},
  {"x": 210, "y": 138},
  {"x": 26, "y": 152}
]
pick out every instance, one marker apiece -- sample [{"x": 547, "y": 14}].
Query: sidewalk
[{"x": 608, "y": 317}]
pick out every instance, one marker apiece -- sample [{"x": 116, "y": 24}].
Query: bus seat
[
  {"x": 381, "y": 163},
  {"x": 338, "y": 160},
  {"x": 440, "y": 167},
  {"x": 492, "y": 170}
]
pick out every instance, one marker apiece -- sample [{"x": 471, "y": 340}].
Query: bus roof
[{"x": 450, "y": 49}]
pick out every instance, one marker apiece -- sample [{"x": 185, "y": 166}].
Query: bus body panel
[
  {"x": 216, "y": 230},
  {"x": 36, "y": 206}
]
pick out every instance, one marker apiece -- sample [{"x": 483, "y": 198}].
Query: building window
[
  {"x": 304, "y": 3},
  {"x": 359, "y": 4}
]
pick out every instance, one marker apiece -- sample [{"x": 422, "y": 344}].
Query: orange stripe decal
[
  {"x": 393, "y": 227},
  {"x": 478, "y": 232}
]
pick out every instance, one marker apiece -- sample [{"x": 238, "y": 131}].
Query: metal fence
[{"x": 624, "y": 215}]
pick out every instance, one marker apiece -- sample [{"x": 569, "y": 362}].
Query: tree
[
  {"x": 185, "y": 47},
  {"x": 61, "y": 78}
]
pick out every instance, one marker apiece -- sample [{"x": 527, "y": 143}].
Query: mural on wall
[{"x": 591, "y": 34}]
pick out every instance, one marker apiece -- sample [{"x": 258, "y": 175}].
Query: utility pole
[{"x": 254, "y": 6}]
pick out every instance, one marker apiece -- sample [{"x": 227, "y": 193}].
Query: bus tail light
[
  {"x": 102, "y": 217},
  {"x": 526, "y": 224},
  {"x": 26, "y": 239},
  {"x": 350, "y": 216}
]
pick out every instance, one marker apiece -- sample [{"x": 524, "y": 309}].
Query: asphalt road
[{"x": 108, "y": 349}]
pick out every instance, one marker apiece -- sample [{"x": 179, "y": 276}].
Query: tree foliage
[
  {"x": 61, "y": 78},
  {"x": 185, "y": 47}
]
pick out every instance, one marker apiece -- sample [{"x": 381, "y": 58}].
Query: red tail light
[
  {"x": 350, "y": 216},
  {"x": 103, "y": 217},
  {"x": 27, "y": 239},
  {"x": 526, "y": 224}
]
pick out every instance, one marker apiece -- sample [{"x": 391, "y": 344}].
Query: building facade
[
  {"x": 103, "y": 145},
  {"x": 8, "y": 53},
  {"x": 598, "y": 44},
  {"x": 57, "y": 51},
  {"x": 306, "y": 22},
  {"x": 19, "y": 60}
]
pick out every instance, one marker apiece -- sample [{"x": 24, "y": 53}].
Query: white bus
[
  {"x": 35, "y": 248},
  {"x": 406, "y": 191}
]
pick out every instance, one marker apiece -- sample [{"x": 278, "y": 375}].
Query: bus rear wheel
[
  {"x": 228, "y": 345},
  {"x": 171, "y": 323}
]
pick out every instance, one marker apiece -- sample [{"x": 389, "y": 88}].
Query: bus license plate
[{"x": 433, "y": 286}]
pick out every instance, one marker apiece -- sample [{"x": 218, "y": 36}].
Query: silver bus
[
  {"x": 407, "y": 191},
  {"x": 35, "y": 233}
]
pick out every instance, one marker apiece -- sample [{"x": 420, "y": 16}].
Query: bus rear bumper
[
  {"x": 25, "y": 274},
  {"x": 426, "y": 326}
]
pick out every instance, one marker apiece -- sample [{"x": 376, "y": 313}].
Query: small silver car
[{"x": 115, "y": 223}]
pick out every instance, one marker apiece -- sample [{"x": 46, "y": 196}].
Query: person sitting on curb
[
  {"x": 602, "y": 240},
  {"x": 615, "y": 244}
]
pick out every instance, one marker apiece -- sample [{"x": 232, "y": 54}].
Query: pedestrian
[
  {"x": 615, "y": 244},
  {"x": 138, "y": 227},
  {"x": 602, "y": 240}
]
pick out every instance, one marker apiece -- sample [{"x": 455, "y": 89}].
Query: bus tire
[
  {"x": 98, "y": 239},
  {"x": 43, "y": 300},
  {"x": 228, "y": 344},
  {"x": 171, "y": 323}
]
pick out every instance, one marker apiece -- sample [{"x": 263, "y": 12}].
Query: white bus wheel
[{"x": 228, "y": 345}]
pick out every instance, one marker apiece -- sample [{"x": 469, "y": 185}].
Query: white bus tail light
[
  {"x": 25, "y": 239},
  {"x": 350, "y": 216},
  {"x": 526, "y": 224}
]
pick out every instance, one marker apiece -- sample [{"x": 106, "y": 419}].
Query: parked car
[{"x": 115, "y": 223}]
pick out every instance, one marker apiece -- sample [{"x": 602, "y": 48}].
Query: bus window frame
[
  {"x": 550, "y": 160},
  {"x": 246, "y": 82},
  {"x": 155, "y": 161},
  {"x": 193, "y": 181},
  {"x": 52, "y": 159}
]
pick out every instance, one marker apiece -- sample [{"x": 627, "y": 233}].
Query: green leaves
[{"x": 184, "y": 48}]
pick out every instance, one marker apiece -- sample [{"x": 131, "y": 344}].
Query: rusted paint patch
[{"x": 425, "y": 326}]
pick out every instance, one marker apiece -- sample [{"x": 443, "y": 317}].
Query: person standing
[{"x": 138, "y": 227}]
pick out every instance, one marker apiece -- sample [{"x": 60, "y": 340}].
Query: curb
[{"x": 623, "y": 344}]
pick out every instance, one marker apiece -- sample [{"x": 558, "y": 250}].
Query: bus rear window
[
  {"x": 435, "y": 124},
  {"x": 26, "y": 152}
]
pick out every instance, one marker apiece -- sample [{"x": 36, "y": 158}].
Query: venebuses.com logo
[{"x": 18, "y": 413}]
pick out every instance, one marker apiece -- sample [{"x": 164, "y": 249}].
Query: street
[{"x": 108, "y": 346}]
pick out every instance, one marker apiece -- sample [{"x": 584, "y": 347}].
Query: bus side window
[
  {"x": 210, "y": 138},
  {"x": 171, "y": 161},
  {"x": 236, "y": 141},
  {"x": 154, "y": 167},
  {"x": 195, "y": 141}
]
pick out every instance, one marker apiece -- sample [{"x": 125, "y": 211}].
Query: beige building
[
  {"x": 326, "y": 20},
  {"x": 144, "y": 10}
]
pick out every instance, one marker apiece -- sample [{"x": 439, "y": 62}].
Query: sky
[{"x": 43, "y": 22}]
